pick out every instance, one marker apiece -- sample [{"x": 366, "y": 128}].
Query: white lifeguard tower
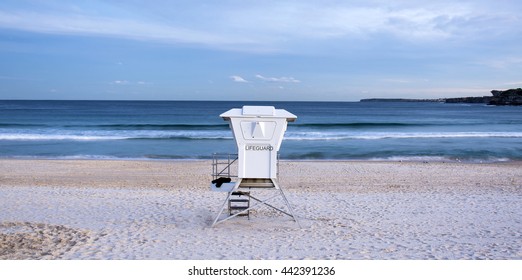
[{"x": 258, "y": 131}]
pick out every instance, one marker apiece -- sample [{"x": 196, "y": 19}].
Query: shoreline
[
  {"x": 198, "y": 171},
  {"x": 98, "y": 209},
  {"x": 393, "y": 159}
]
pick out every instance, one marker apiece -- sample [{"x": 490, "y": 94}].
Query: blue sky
[{"x": 258, "y": 50}]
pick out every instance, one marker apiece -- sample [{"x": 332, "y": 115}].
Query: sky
[{"x": 258, "y": 50}]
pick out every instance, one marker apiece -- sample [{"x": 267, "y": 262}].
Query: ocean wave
[
  {"x": 225, "y": 126},
  {"x": 357, "y": 125},
  {"x": 320, "y": 136},
  {"x": 372, "y": 125},
  {"x": 22, "y": 125},
  {"x": 50, "y": 137},
  {"x": 399, "y": 158},
  {"x": 160, "y": 127},
  {"x": 69, "y": 137},
  {"x": 440, "y": 159},
  {"x": 120, "y": 126},
  {"x": 292, "y": 156},
  {"x": 227, "y": 135}
]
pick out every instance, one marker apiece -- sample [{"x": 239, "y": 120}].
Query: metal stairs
[{"x": 238, "y": 203}]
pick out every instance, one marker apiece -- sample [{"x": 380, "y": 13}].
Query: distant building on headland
[{"x": 500, "y": 97}]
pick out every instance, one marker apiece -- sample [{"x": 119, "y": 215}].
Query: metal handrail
[
  {"x": 228, "y": 160},
  {"x": 220, "y": 159}
]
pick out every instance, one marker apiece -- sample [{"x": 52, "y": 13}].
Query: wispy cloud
[
  {"x": 505, "y": 62},
  {"x": 120, "y": 82},
  {"x": 366, "y": 19},
  {"x": 278, "y": 80},
  {"x": 270, "y": 25},
  {"x": 238, "y": 79},
  {"x": 125, "y": 82},
  {"x": 112, "y": 27},
  {"x": 513, "y": 83}
]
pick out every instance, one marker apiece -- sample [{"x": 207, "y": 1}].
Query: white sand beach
[{"x": 87, "y": 209}]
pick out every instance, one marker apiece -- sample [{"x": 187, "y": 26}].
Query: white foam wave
[
  {"x": 377, "y": 136},
  {"x": 43, "y": 137},
  {"x": 300, "y": 136},
  {"x": 104, "y": 136},
  {"x": 439, "y": 159}
]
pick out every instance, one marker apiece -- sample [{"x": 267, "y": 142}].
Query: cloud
[
  {"x": 238, "y": 79},
  {"x": 508, "y": 62},
  {"x": 269, "y": 26},
  {"x": 106, "y": 26},
  {"x": 125, "y": 82},
  {"x": 404, "y": 20},
  {"x": 513, "y": 83},
  {"x": 278, "y": 80},
  {"x": 120, "y": 82}
]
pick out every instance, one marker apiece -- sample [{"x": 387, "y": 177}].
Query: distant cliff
[
  {"x": 500, "y": 97},
  {"x": 473, "y": 99},
  {"x": 506, "y": 97}
]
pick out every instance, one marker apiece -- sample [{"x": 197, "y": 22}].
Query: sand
[{"x": 87, "y": 209}]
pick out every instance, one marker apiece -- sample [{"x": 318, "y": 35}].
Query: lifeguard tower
[{"x": 258, "y": 131}]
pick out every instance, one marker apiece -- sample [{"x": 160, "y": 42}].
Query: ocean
[{"x": 408, "y": 131}]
